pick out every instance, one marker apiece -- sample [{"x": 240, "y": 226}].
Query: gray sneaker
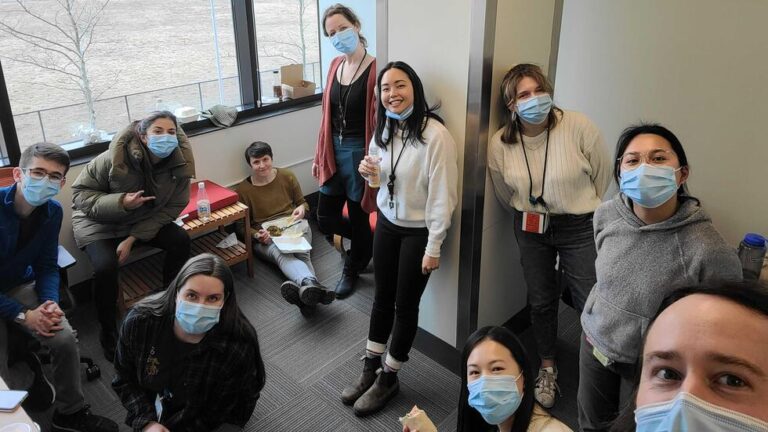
[{"x": 546, "y": 386}]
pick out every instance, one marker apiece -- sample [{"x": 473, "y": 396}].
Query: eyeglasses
[
  {"x": 632, "y": 160},
  {"x": 40, "y": 174}
]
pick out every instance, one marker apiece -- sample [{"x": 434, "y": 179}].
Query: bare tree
[
  {"x": 289, "y": 46},
  {"x": 62, "y": 44}
]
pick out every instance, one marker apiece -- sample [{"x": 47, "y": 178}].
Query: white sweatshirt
[
  {"x": 578, "y": 167},
  {"x": 425, "y": 187}
]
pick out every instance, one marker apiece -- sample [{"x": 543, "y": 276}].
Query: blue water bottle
[{"x": 752, "y": 254}]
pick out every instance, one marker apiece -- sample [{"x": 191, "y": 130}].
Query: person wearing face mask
[
  {"x": 30, "y": 221},
  {"x": 187, "y": 358},
  {"x": 550, "y": 169},
  {"x": 132, "y": 193},
  {"x": 704, "y": 363},
  {"x": 346, "y": 128},
  {"x": 497, "y": 386},
  {"x": 651, "y": 237}
]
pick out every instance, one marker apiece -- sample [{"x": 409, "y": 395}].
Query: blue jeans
[
  {"x": 295, "y": 266},
  {"x": 571, "y": 239}
]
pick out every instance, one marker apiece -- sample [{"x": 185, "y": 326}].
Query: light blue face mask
[
  {"x": 404, "y": 114},
  {"x": 195, "y": 318},
  {"x": 495, "y": 397},
  {"x": 346, "y": 41},
  {"x": 649, "y": 186},
  {"x": 162, "y": 145},
  {"x": 686, "y": 413},
  {"x": 38, "y": 192},
  {"x": 536, "y": 109}
]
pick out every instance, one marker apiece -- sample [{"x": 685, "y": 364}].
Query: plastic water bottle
[
  {"x": 374, "y": 151},
  {"x": 752, "y": 254},
  {"x": 203, "y": 203}
]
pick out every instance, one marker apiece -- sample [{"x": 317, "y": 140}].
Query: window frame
[{"x": 246, "y": 49}]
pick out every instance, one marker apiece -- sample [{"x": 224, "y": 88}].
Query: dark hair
[
  {"x": 340, "y": 9},
  {"x": 232, "y": 322},
  {"x": 509, "y": 97},
  {"x": 47, "y": 151},
  {"x": 750, "y": 294},
  {"x": 654, "y": 129},
  {"x": 256, "y": 150},
  {"x": 141, "y": 127},
  {"x": 415, "y": 124},
  {"x": 469, "y": 420}
]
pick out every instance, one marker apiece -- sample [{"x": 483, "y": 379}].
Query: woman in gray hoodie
[{"x": 650, "y": 238}]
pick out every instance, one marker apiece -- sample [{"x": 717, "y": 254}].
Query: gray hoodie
[{"x": 638, "y": 265}]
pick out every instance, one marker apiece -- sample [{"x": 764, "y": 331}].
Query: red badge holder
[{"x": 534, "y": 222}]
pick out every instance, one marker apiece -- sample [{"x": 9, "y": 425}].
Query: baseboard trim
[{"x": 438, "y": 350}]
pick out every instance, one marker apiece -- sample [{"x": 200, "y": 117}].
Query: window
[{"x": 77, "y": 71}]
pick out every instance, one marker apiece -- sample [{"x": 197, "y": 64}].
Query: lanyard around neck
[
  {"x": 393, "y": 166},
  {"x": 531, "y": 199},
  {"x": 345, "y": 97}
]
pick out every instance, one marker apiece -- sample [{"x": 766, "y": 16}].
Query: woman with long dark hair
[
  {"x": 418, "y": 176},
  {"x": 187, "y": 358},
  {"x": 549, "y": 167},
  {"x": 345, "y": 130},
  {"x": 650, "y": 238},
  {"x": 130, "y": 194}
]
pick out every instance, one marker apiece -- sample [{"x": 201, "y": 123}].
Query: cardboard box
[{"x": 294, "y": 85}]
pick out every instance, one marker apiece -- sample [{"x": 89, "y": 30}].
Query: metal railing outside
[{"x": 65, "y": 124}]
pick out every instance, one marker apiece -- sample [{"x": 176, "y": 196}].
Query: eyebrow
[
  {"x": 490, "y": 363},
  {"x": 736, "y": 361},
  {"x": 662, "y": 355}
]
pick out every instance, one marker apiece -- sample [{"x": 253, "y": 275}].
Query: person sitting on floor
[
  {"x": 272, "y": 193},
  {"x": 187, "y": 358},
  {"x": 29, "y": 287}
]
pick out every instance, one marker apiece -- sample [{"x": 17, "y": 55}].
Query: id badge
[
  {"x": 605, "y": 361},
  {"x": 392, "y": 205},
  {"x": 534, "y": 222}
]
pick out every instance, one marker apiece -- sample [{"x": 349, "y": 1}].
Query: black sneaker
[
  {"x": 313, "y": 292},
  {"x": 290, "y": 292},
  {"x": 41, "y": 393},
  {"x": 82, "y": 421}
]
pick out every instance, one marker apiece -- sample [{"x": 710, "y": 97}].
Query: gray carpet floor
[{"x": 309, "y": 361}]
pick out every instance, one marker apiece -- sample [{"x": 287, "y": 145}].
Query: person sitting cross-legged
[
  {"x": 29, "y": 288},
  {"x": 271, "y": 193}
]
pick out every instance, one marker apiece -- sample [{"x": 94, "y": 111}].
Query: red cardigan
[{"x": 324, "y": 156}]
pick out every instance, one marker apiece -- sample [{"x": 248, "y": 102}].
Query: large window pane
[
  {"x": 133, "y": 56},
  {"x": 286, "y": 34}
]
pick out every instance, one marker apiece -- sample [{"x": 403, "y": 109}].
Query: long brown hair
[
  {"x": 509, "y": 97},
  {"x": 340, "y": 9}
]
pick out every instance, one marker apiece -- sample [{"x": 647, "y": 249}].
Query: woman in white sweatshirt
[{"x": 418, "y": 173}]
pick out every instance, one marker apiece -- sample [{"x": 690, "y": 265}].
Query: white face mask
[{"x": 687, "y": 413}]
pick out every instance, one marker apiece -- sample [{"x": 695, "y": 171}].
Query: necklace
[{"x": 344, "y": 97}]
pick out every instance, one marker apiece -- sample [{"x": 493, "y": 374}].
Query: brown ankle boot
[
  {"x": 352, "y": 392},
  {"x": 376, "y": 398}
]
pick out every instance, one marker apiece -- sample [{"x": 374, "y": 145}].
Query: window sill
[{"x": 81, "y": 153}]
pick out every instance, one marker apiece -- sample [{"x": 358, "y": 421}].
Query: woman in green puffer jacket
[{"x": 133, "y": 192}]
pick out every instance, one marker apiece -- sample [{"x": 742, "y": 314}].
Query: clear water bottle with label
[
  {"x": 752, "y": 254},
  {"x": 374, "y": 151},
  {"x": 203, "y": 203}
]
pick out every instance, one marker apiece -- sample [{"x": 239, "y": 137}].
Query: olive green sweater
[{"x": 278, "y": 198}]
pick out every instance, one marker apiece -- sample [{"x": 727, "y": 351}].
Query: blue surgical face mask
[
  {"x": 495, "y": 397},
  {"x": 686, "y": 413},
  {"x": 346, "y": 41},
  {"x": 649, "y": 186},
  {"x": 404, "y": 114},
  {"x": 162, "y": 145},
  {"x": 536, "y": 109},
  {"x": 195, "y": 318},
  {"x": 38, "y": 192}
]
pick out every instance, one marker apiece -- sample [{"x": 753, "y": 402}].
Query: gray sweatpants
[
  {"x": 295, "y": 266},
  {"x": 65, "y": 357}
]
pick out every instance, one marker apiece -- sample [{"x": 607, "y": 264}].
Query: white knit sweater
[
  {"x": 578, "y": 167},
  {"x": 425, "y": 188}
]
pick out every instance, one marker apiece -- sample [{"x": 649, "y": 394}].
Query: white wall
[
  {"x": 219, "y": 157},
  {"x": 697, "y": 66},
  {"x": 420, "y": 33},
  {"x": 366, "y": 13},
  {"x": 523, "y": 35}
]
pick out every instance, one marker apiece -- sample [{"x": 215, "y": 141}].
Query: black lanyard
[
  {"x": 345, "y": 98},
  {"x": 531, "y": 199},
  {"x": 393, "y": 166}
]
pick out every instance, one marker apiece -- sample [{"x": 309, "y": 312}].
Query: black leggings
[
  {"x": 397, "y": 256},
  {"x": 357, "y": 229},
  {"x": 103, "y": 253}
]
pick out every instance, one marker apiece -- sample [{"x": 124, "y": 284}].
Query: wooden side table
[{"x": 141, "y": 277}]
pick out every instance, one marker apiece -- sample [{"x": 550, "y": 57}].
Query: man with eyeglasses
[{"x": 29, "y": 288}]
